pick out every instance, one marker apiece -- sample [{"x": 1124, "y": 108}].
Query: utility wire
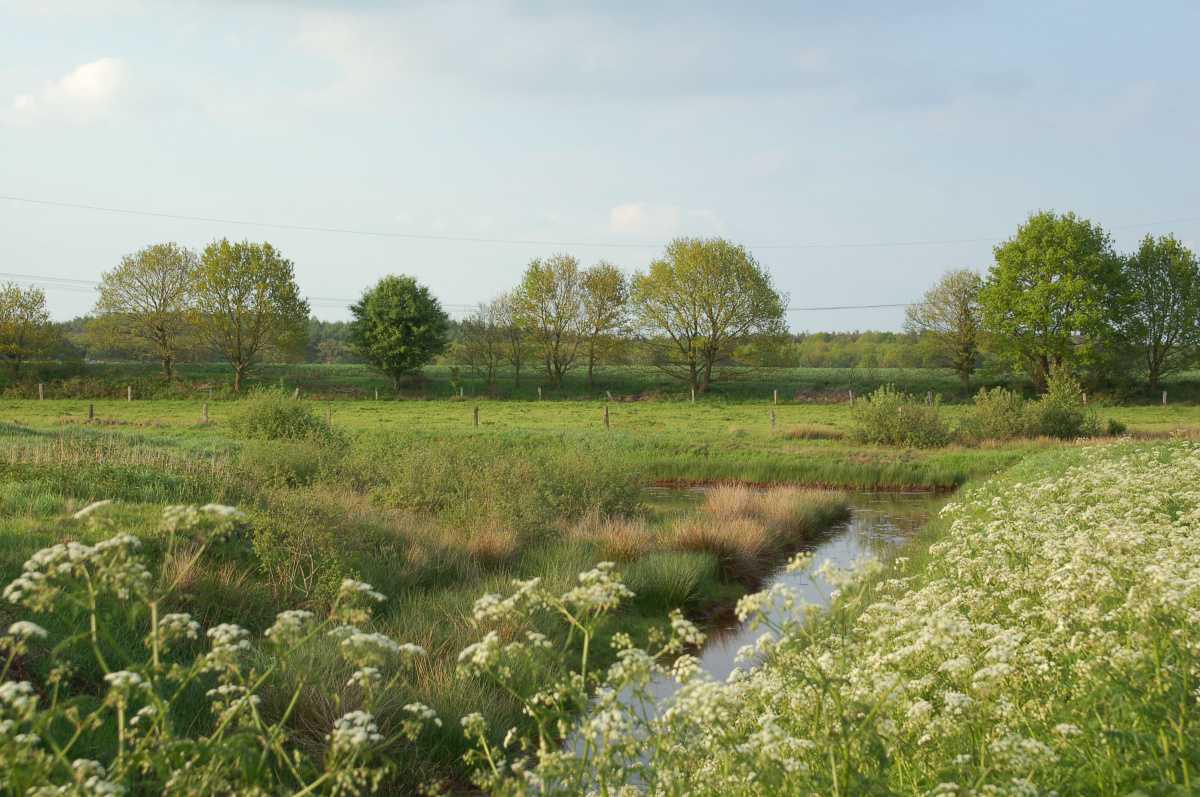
[{"x": 523, "y": 241}]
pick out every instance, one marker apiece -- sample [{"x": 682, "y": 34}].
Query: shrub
[
  {"x": 1060, "y": 412},
  {"x": 298, "y": 544},
  {"x": 998, "y": 414},
  {"x": 890, "y": 417},
  {"x": 1116, "y": 428},
  {"x": 270, "y": 414},
  {"x": 671, "y": 579}
]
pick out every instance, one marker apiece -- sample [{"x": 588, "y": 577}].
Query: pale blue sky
[{"x": 620, "y": 123}]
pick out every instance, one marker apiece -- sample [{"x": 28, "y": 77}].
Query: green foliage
[
  {"x": 270, "y": 414},
  {"x": 1050, "y": 283},
  {"x": 246, "y": 302},
  {"x": 672, "y": 579},
  {"x": 949, "y": 315},
  {"x": 548, "y": 304},
  {"x": 998, "y": 414},
  {"x": 890, "y": 417},
  {"x": 1061, "y": 411},
  {"x": 398, "y": 327},
  {"x": 25, "y": 329},
  {"x": 700, "y": 302},
  {"x": 1115, "y": 428},
  {"x": 144, "y": 304}
]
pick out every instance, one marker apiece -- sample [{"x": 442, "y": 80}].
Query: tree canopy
[
  {"x": 949, "y": 314},
  {"x": 549, "y": 305},
  {"x": 398, "y": 326},
  {"x": 26, "y": 332},
  {"x": 246, "y": 301},
  {"x": 699, "y": 302}
]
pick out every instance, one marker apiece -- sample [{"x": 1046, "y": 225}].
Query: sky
[{"x": 858, "y": 149}]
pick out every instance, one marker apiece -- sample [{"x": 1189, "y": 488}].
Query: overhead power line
[
  {"x": 89, "y": 286},
  {"x": 522, "y": 241}
]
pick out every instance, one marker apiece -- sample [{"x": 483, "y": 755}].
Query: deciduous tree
[
  {"x": 699, "y": 302},
  {"x": 1046, "y": 299},
  {"x": 605, "y": 308},
  {"x": 949, "y": 314},
  {"x": 26, "y": 331},
  {"x": 1158, "y": 316},
  {"x": 144, "y": 302},
  {"x": 398, "y": 327},
  {"x": 549, "y": 305},
  {"x": 246, "y": 301},
  {"x": 484, "y": 344}
]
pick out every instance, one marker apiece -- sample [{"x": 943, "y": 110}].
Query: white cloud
[
  {"x": 88, "y": 92},
  {"x": 646, "y": 219}
]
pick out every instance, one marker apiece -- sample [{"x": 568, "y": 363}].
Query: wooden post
[
  {"x": 775, "y": 396},
  {"x": 539, "y": 392},
  {"x": 476, "y": 415},
  {"x": 605, "y": 416},
  {"x": 1164, "y": 398},
  {"x": 41, "y": 392},
  {"x": 91, "y": 411},
  {"x": 693, "y": 395},
  {"x": 609, "y": 394},
  {"x": 296, "y": 393},
  {"x": 460, "y": 391},
  {"x": 210, "y": 392},
  {"x": 929, "y": 397},
  {"x": 129, "y": 392},
  {"x": 1085, "y": 398},
  {"x": 851, "y": 395},
  {"x": 772, "y": 420},
  {"x": 377, "y": 394},
  {"x": 206, "y": 412}
]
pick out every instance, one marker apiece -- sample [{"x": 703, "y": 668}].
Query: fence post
[
  {"x": 539, "y": 392},
  {"x": 476, "y": 415},
  {"x": 929, "y": 397},
  {"x": 460, "y": 391},
  {"x": 1085, "y": 397},
  {"x": 129, "y": 392},
  {"x": 693, "y": 395},
  {"x": 1164, "y": 398},
  {"x": 775, "y": 396},
  {"x": 605, "y": 416},
  {"x": 210, "y": 392},
  {"x": 772, "y": 420},
  {"x": 206, "y": 413},
  {"x": 851, "y": 395},
  {"x": 91, "y": 411},
  {"x": 296, "y": 393},
  {"x": 609, "y": 394},
  {"x": 377, "y": 394},
  {"x": 41, "y": 392}
]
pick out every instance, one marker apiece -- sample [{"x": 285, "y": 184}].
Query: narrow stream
[{"x": 879, "y": 524}]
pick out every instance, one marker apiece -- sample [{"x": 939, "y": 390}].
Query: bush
[
  {"x": 1116, "y": 428},
  {"x": 270, "y": 414},
  {"x": 889, "y": 417},
  {"x": 1060, "y": 412},
  {"x": 998, "y": 414}
]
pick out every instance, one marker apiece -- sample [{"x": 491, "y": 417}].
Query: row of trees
[
  {"x": 693, "y": 308},
  {"x": 1059, "y": 295}
]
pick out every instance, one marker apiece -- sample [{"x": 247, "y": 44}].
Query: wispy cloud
[
  {"x": 661, "y": 221},
  {"x": 87, "y": 93}
]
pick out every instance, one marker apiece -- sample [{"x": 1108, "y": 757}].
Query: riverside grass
[
  {"x": 316, "y": 515},
  {"x": 1043, "y": 637}
]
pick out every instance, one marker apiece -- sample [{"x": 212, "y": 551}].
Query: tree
[
  {"x": 26, "y": 332},
  {"x": 514, "y": 335},
  {"x": 484, "y": 341},
  {"x": 398, "y": 327},
  {"x": 246, "y": 302},
  {"x": 699, "y": 302},
  {"x": 1045, "y": 301},
  {"x": 605, "y": 307},
  {"x": 144, "y": 302},
  {"x": 1158, "y": 316},
  {"x": 549, "y": 304},
  {"x": 950, "y": 316}
]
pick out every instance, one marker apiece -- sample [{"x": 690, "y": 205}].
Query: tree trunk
[
  {"x": 168, "y": 366},
  {"x": 517, "y": 375},
  {"x": 238, "y": 370}
]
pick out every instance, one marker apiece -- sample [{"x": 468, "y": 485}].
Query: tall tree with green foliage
[
  {"x": 398, "y": 327},
  {"x": 699, "y": 302},
  {"x": 1046, "y": 300},
  {"x": 26, "y": 331},
  {"x": 483, "y": 346},
  {"x": 144, "y": 303},
  {"x": 950, "y": 316},
  {"x": 605, "y": 308},
  {"x": 1158, "y": 314},
  {"x": 246, "y": 302},
  {"x": 549, "y": 305},
  {"x": 515, "y": 338}
]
